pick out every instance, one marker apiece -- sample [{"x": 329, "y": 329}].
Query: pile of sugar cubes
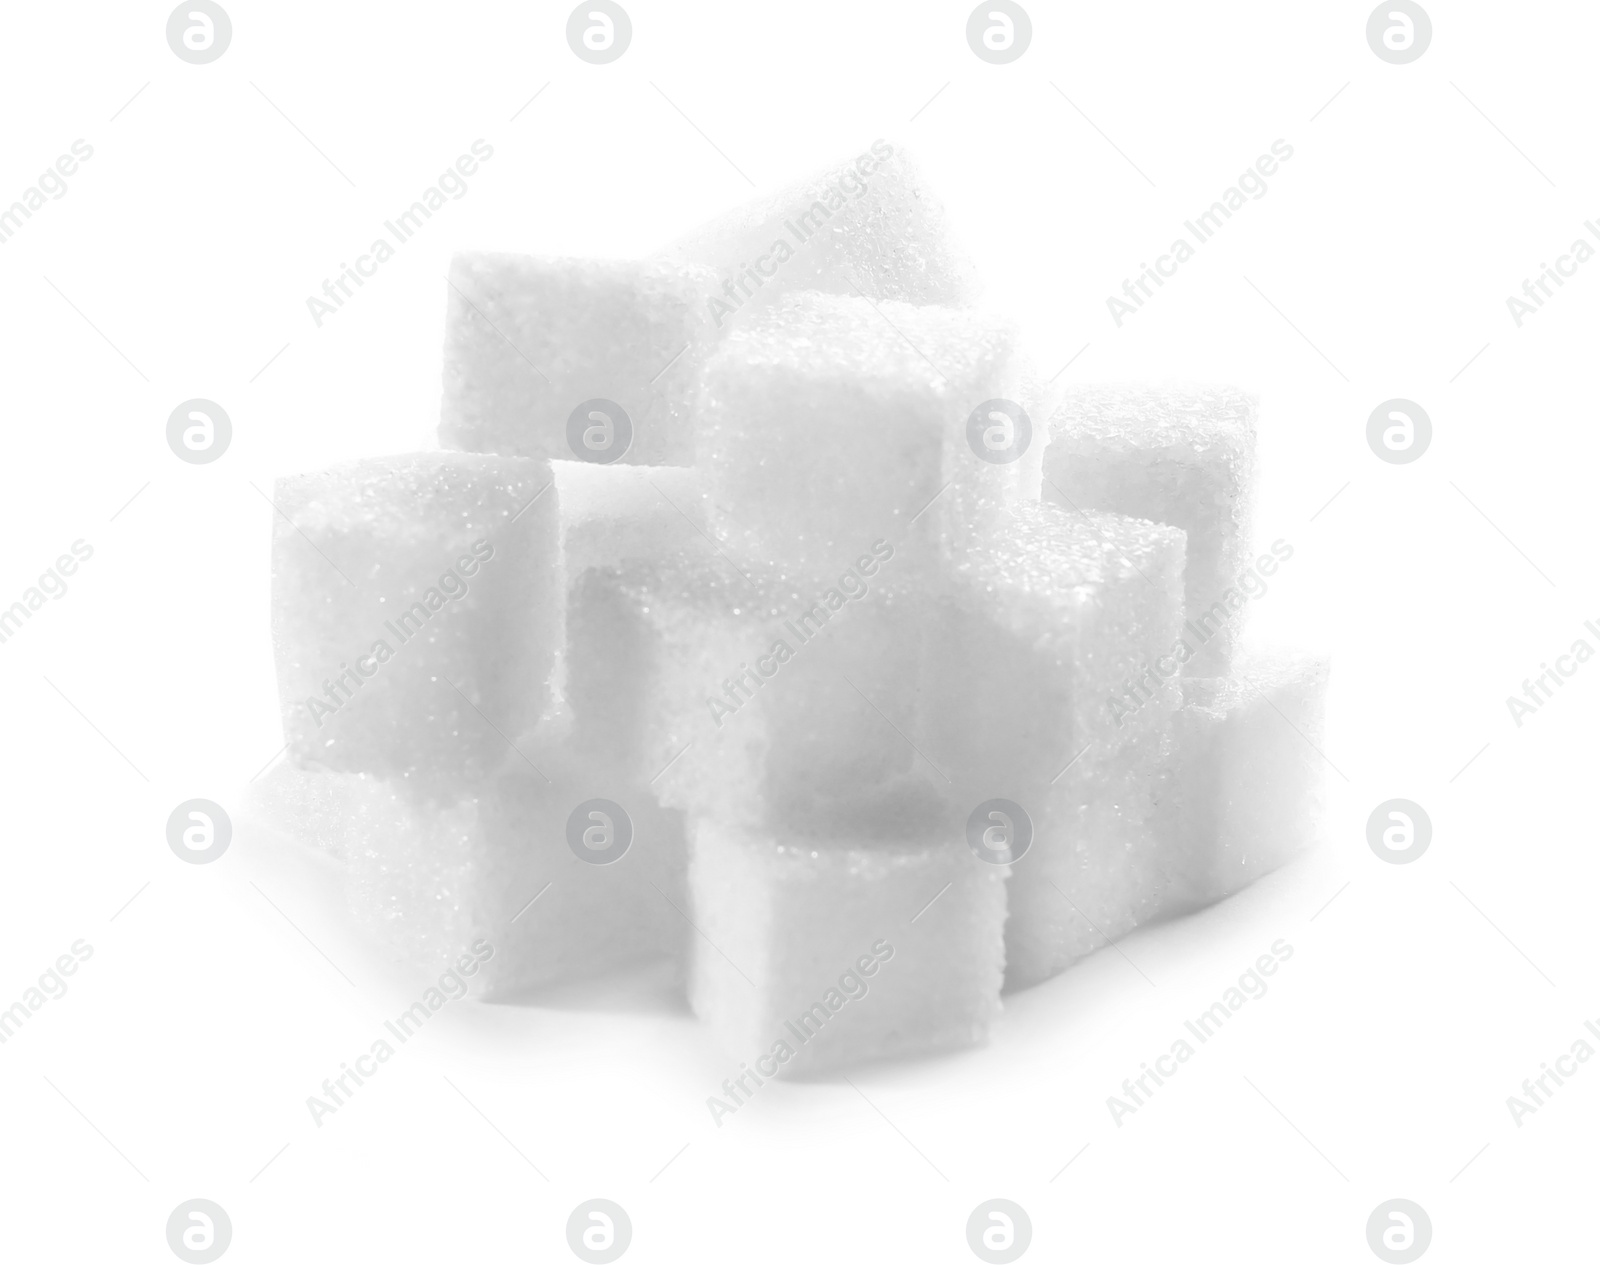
[{"x": 760, "y": 612}]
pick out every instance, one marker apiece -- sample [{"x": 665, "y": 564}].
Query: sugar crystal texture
[
  {"x": 493, "y": 864},
  {"x": 831, "y": 423},
  {"x": 844, "y": 949},
  {"x": 528, "y": 340},
  {"x": 1182, "y": 455},
  {"x": 331, "y": 812},
  {"x": 766, "y": 700},
  {"x": 871, "y": 226},
  {"x": 416, "y": 608},
  {"x": 614, "y": 514},
  {"x": 1249, "y": 773},
  {"x": 1036, "y": 635}
]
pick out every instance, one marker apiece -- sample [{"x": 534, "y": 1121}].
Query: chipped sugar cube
[
  {"x": 832, "y": 422},
  {"x": 1180, "y": 455},
  {"x": 520, "y": 864},
  {"x": 820, "y": 953},
  {"x": 538, "y": 351},
  {"x": 415, "y": 612},
  {"x": 869, "y": 226},
  {"x": 1247, "y": 791},
  {"x": 1035, "y": 635}
]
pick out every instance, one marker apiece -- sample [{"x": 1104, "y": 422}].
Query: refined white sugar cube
[
  {"x": 1037, "y": 631},
  {"x": 329, "y": 811},
  {"x": 766, "y": 701},
  {"x": 1184, "y": 456},
  {"x": 532, "y": 344},
  {"x": 831, "y": 422},
  {"x": 614, "y": 514},
  {"x": 869, "y": 226},
  {"x": 416, "y": 609},
  {"x": 815, "y": 954},
  {"x": 1248, "y": 773},
  {"x": 1101, "y": 865},
  {"x": 496, "y": 863}
]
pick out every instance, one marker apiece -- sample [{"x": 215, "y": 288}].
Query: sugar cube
[
  {"x": 1036, "y": 632},
  {"x": 1100, "y": 865},
  {"x": 538, "y": 351},
  {"x": 761, "y": 699},
  {"x": 416, "y": 609},
  {"x": 499, "y": 862},
  {"x": 1249, "y": 772},
  {"x": 832, "y": 422},
  {"x": 1184, "y": 456},
  {"x": 328, "y": 811},
  {"x": 869, "y": 226},
  {"x": 818, "y": 953}
]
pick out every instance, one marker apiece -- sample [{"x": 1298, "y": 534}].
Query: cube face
[
  {"x": 830, "y": 423},
  {"x": 529, "y": 340},
  {"x": 612, "y": 515},
  {"x": 494, "y": 865},
  {"x": 1038, "y": 631},
  {"x": 843, "y": 950},
  {"x": 1037, "y": 635},
  {"x": 1100, "y": 865},
  {"x": 868, "y": 226},
  {"x": 329, "y": 811},
  {"x": 416, "y": 607},
  {"x": 773, "y": 702},
  {"x": 1180, "y": 456},
  {"x": 1248, "y": 773}
]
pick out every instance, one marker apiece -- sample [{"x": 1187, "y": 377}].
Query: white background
[{"x": 1378, "y": 1065}]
